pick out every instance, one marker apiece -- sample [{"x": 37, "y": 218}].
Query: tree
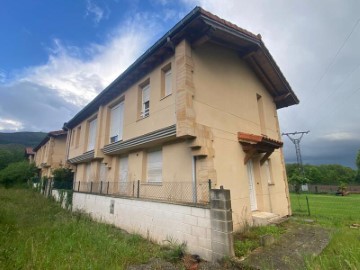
[
  {"x": 63, "y": 178},
  {"x": 17, "y": 173},
  {"x": 358, "y": 166}
]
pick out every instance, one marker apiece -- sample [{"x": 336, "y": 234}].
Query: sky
[{"x": 55, "y": 56}]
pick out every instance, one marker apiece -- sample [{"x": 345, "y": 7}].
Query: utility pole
[{"x": 296, "y": 137}]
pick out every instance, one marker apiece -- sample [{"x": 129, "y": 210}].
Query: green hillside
[
  {"x": 30, "y": 139},
  {"x": 12, "y": 145}
]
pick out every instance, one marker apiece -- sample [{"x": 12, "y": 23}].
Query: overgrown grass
[
  {"x": 249, "y": 239},
  {"x": 36, "y": 233},
  {"x": 338, "y": 214}
]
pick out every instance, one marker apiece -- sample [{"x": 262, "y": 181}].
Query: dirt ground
[
  {"x": 300, "y": 241},
  {"x": 290, "y": 251}
]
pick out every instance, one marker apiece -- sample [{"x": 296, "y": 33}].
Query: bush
[
  {"x": 63, "y": 178},
  {"x": 17, "y": 173}
]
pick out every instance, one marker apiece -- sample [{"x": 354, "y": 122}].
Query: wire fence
[
  {"x": 176, "y": 192},
  {"x": 329, "y": 189}
]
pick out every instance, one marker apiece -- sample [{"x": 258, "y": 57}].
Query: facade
[
  {"x": 200, "y": 104},
  {"x": 50, "y": 153}
]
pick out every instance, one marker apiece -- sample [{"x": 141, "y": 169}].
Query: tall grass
[
  {"x": 337, "y": 214},
  {"x": 37, "y": 234}
]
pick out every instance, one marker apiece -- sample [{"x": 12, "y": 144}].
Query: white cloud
[
  {"x": 8, "y": 124},
  {"x": 94, "y": 10},
  {"x": 340, "y": 136},
  {"x": 78, "y": 80},
  {"x": 2, "y": 75}
]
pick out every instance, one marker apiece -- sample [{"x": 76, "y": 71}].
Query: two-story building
[
  {"x": 50, "y": 153},
  {"x": 200, "y": 104}
]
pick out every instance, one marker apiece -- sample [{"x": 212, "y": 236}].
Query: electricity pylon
[{"x": 296, "y": 141}]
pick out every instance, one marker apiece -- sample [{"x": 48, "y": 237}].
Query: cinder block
[
  {"x": 221, "y": 249},
  {"x": 224, "y": 215},
  {"x": 198, "y": 212},
  {"x": 184, "y": 228},
  {"x": 204, "y": 222},
  {"x": 188, "y": 219},
  {"x": 220, "y": 204},
  {"x": 222, "y": 226},
  {"x": 221, "y": 237},
  {"x": 204, "y": 243},
  {"x": 190, "y": 240},
  {"x": 220, "y": 194},
  {"x": 198, "y": 231}
]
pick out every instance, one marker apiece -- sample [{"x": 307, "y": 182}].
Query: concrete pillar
[{"x": 222, "y": 241}]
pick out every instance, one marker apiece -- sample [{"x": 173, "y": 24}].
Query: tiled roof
[
  {"x": 29, "y": 151},
  {"x": 254, "y": 139},
  {"x": 192, "y": 27},
  {"x": 55, "y": 133}
]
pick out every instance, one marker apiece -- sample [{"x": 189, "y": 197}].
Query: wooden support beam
[
  {"x": 249, "y": 155},
  {"x": 266, "y": 156}
]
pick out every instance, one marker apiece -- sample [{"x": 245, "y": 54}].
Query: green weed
[{"x": 36, "y": 233}]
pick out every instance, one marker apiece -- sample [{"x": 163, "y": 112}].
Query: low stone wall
[
  {"x": 63, "y": 199},
  {"x": 161, "y": 221}
]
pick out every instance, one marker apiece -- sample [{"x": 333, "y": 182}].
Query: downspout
[{"x": 194, "y": 179}]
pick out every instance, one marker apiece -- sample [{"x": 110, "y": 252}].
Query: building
[
  {"x": 50, "y": 153},
  {"x": 29, "y": 154},
  {"x": 200, "y": 104}
]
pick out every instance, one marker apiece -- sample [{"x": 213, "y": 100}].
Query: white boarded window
[
  {"x": 103, "y": 172},
  {"x": 154, "y": 166},
  {"x": 168, "y": 82},
  {"x": 145, "y": 103},
  {"x": 92, "y": 135},
  {"x": 88, "y": 172},
  {"x": 123, "y": 169},
  {"x": 116, "y": 122}
]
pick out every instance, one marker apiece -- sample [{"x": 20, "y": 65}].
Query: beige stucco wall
[
  {"x": 215, "y": 95},
  {"x": 225, "y": 100},
  {"x": 51, "y": 155},
  {"x": 162, "y": 113}
]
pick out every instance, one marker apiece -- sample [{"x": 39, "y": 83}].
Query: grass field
[
  {"x": 36, "y": 233},
  {"x": 337, "y": 214}
]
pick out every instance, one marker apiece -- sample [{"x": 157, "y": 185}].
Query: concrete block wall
[
  {"x": 221, "y": 224},
  {"x": 154, "y": 220}
]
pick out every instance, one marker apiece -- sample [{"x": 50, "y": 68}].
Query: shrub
[{"x": 17, "y": 173}]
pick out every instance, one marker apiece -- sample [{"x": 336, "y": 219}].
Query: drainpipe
[{"x": 194, "y": 179}]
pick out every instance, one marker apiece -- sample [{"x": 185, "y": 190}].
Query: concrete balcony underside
[
  {"x": 88, "y": 156},
  {"x": 147, "y": 140}
]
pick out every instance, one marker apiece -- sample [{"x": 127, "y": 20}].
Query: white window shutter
[
  {"x": 116, "y": 122},
  {"x": 154, "y": 172},
  {"x": 146, "y": 93},
  {"x": 92, "y": 134},
  {"x": 168, "y": 82},
  {"x": 123, "y": 169}
]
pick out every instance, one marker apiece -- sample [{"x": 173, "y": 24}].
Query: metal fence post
[
  {"x": 209, "y": 181},
  {"x": 107, "y": 189},
  {"x": 91, "y": 186},
  {"x": 79, "y": 186},
  {"x": 101, "y": 186},
  {"x": 133, "y": 189},
  {"x": 138, "y": 188},
  {"x": 308, "y": 206}
]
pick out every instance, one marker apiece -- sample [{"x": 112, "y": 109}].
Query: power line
[{"x": 336, "y": 55}]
